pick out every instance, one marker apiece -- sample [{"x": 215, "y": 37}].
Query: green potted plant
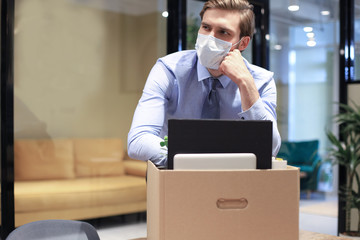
[{"x": 345, "y": 151}]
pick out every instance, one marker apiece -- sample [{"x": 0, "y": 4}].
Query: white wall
[{"x": 80, "y": 70}]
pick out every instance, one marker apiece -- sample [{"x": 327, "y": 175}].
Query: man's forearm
[{"x": 147, "y": 147}]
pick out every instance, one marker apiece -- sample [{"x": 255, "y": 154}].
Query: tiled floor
[
  {"x": 124, "y": 232},
  {"x": 121, "y": 227},
  {"x": 318, "y": 223},
  {"x": 323, "y": 218},
  {"x": 134, "y": 226}
]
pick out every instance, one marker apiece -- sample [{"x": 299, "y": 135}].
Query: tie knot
[{"x": 214, "y": 83}]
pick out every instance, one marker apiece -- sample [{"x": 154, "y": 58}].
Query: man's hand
[{"x": 234, "y": 67}]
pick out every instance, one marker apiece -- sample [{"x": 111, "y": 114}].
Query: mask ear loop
[{"x": 237, "y": 42}]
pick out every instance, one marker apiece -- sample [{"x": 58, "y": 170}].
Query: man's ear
[{"x": 244, "y": 43}]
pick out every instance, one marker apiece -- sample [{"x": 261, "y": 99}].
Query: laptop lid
[
  {"x": 214, "y": 161},
  {"x": 221, "y": 136}
]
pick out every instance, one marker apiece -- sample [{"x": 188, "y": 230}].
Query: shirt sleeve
[
  {"x": 265, "y": 109},
  {"x": 144, "y": 135}
]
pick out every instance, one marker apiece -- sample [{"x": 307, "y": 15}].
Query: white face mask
[{"x": 211, "y": 50}]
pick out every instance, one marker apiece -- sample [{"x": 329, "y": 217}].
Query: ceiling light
[
  {"x": 278, "y": 47},
  {"x": 311, "y": 43},
  {"x": 308, "y": 29},
  {"x": 310, "y": 35},
  {"x": 325, "y": 13},
  {"x": 293, "y": 6},
  {"x": 165, "y": 14}
]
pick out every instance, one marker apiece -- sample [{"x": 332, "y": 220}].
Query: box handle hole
[{"x": 240, "y": 203}]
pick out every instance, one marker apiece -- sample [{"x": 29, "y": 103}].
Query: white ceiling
[{"x": 309, "y": 11}]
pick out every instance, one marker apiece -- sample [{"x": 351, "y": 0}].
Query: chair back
[
  {"x": 55, "y": 230},
  {"x": 299, "y": 152}
]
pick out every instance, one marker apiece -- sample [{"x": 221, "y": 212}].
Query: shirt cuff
[
  {"x": 256, "y": 112},
  {"x": 160, "y": 159}
]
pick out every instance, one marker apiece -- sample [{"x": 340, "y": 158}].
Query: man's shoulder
[
  {"x": 184, "y": 59},
  {"x": 259, "y": 72}
]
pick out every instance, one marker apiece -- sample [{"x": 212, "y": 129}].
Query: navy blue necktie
[{"x": 211, "y": 107}]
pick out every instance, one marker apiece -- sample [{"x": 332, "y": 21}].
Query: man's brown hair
[{"x": 247, "y": 16}]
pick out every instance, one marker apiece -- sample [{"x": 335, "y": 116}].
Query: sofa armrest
[
  {"x": 316, "y": 163},
  {"x": 135, "y": 167}
]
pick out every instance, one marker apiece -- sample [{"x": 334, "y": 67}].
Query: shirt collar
[{"x": 203, "y": 74}]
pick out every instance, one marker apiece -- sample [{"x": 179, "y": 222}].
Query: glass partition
[
  {"x": 80, "y": 67},
  {"x": 303, "y": 54},
  {"x": 193, "y": 21},
  {"x": 304, "y": 58}
]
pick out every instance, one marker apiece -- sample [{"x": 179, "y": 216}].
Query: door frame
[{"x": 7, "y": 117}]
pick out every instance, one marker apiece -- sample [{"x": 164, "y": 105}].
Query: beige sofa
[{"x": 76, "y": 179}]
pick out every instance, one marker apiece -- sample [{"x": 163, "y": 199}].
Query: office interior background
[{"x": 80, "y": 67}]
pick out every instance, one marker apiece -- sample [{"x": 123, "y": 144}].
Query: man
[{"x": 179, "y": 84}]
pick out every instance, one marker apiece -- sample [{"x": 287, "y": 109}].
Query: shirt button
[{"x": 242, "y": 118}]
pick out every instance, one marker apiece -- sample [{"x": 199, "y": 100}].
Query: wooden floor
[{"x": 134, "y": 226}]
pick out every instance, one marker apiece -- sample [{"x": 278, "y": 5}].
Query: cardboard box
[{"x": 231, "y": 204}]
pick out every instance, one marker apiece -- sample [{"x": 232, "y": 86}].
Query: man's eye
[
  {"x": 224, "y": 32},
  {"x": 205, "y": 27}
]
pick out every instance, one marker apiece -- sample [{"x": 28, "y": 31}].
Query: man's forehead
[{"x": 227, "y": 19}]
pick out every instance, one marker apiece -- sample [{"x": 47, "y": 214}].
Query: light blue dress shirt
[{"x": 175, "y": 89}]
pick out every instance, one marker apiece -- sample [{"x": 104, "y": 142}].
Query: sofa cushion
[
  {"x": 98, "y": 157},
  {"x": 135, "y": 167},
  {"x": 43, "y": 159},
  {"x": 34, "y": 196}
]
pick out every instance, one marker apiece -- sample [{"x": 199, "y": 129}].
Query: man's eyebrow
[
  {"x": 204, "y": 23},
  {"x": 221, "y": 27},
  {"x": 226, "y": 29}
]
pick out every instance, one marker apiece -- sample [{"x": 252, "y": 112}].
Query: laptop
[
  {"x": 221, "y": 136},
  {"x": 214, "y": 161}
]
